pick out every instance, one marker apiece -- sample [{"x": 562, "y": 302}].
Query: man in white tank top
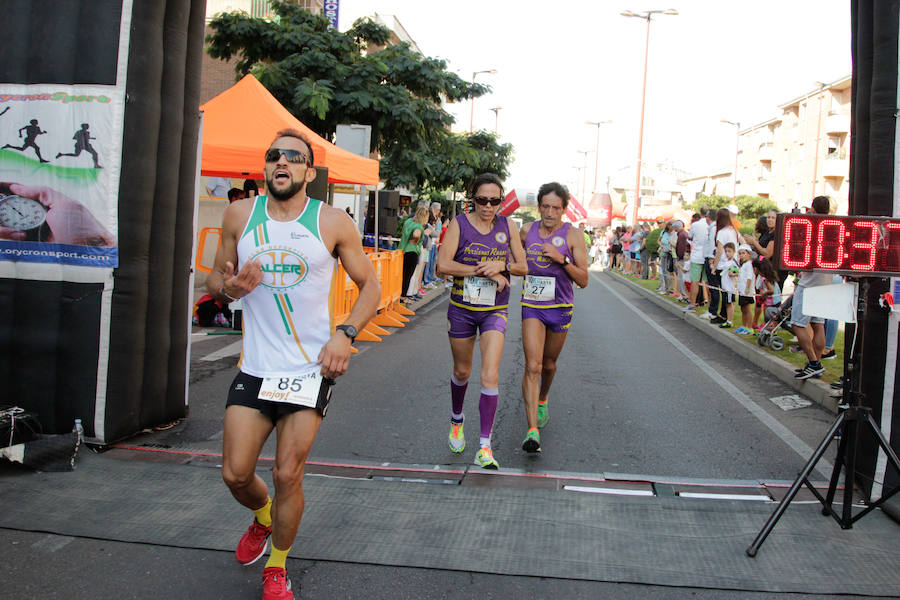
[{"x": 285, "y": 246}]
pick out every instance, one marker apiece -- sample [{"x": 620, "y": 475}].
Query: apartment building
[{"x": 802, "y": 153}]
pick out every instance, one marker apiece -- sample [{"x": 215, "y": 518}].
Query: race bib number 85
[{"x": 302, "y": 390}]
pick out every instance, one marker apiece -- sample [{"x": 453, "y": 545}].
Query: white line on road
[
  {"x": 232, "y": 349},
  {"x": 824, "y": 466},
  {"x": 51, "y": 543}
]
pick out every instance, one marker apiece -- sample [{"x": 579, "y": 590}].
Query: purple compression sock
[
  {"x": 487, "y": 408},
  {"x": 457, "y": 394}
]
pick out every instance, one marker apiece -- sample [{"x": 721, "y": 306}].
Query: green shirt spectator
[
  {"x": 406, "y": 245},
  {"x": 651, "y": 243}
]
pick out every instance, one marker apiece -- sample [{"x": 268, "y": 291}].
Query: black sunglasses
[
  {"x": 481, "y": 200},
  {"x": 292, "y": 156}
]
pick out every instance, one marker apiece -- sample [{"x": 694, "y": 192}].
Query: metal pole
[
  {"x": 637, "y": 184},
  {"x": 818, "y": 142},
  {"x": 737, "y": 148},
  {"x": 472, "y": 107},
  {"x": 596, "y": 159}
]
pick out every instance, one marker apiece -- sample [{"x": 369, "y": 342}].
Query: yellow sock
[
  {"x": 277, "y": 558},
  {"x": 264, "y": 514}
]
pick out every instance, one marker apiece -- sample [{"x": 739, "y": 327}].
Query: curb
[{"x": 817, "y": 391}]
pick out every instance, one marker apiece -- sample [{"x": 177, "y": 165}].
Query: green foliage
[
  {"x": 325, "y": 77},
  {"x": 526, "y": 214},
  {"x": 750, "y": 207}
]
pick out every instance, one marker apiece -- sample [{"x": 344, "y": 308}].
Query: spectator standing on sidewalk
[
  {"x": 725, "y": 234},
  {"x": 810, "y": 331},
  {"x": 682, "y": 253},
  {"x": 698, "y": 233},
  {"x": 411, "y": 240},
  {"x": 434, "y": 219}
]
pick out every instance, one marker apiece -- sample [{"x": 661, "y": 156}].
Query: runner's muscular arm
[
  {"x": 223, "y": 277},
  {"x": 335, "y": 354},
  {"x": 578, "y": 270},
  {"x": 518, "y": 265},
  {"x": 445, "y": 263}
]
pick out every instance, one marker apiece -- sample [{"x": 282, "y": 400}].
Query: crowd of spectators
[
  {"x": 420, "y": 238},
  {"x": 709, "y": 264}
]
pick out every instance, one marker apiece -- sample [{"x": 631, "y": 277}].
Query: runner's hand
[
  {"x": 550, "y": 251},
  {"x": 335, "y": 355},
  {"x": 502, "y": 283},
  {"x": 238, "y": 286},
  {"x": 489, "y": 268}
]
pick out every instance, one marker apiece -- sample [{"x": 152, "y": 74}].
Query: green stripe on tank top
[
  {"x": 281, "y": 312},
  {"x": 309, "y": 218},
  {"x": 257, "y": 216},
  {"x": 287, "y": 300}
]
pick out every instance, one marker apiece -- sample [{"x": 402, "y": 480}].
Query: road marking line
[
  {"x": 52, "y": 543},
  {"x": 823, "y": 467},
  {"x": 612, "y": 491},
  {"x": 707, "y": 496},
  {"x": 233, "y": 349}
]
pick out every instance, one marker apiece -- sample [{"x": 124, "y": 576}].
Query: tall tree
[{"x": 325, "y": 77}]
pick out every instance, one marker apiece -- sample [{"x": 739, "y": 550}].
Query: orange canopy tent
[{"x": 239, "y": 125}]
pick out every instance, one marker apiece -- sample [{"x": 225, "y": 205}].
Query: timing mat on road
[{"x": 673, "y": 541}]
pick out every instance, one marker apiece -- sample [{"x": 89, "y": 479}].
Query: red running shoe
[
  {"x": 276, "y": 585},
  {"x": 253, "y": 543}
]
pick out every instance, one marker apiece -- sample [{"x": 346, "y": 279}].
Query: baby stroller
[{"x": 777, "y": 317}]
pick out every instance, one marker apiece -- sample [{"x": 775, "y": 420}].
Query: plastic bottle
[{"x": 78, "y": 430}]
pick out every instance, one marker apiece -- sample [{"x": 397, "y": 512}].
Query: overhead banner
[
  {"x": 60, "y": 155},
  {"x": 332, "y": 8}
]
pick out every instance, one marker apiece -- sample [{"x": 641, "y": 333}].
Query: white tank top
[{"x": 287, "y": 318}]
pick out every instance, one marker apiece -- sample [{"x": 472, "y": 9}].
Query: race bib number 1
[
  {"x": 302, "y": 390},
  {"x": 538, "y": 288},
  {"x": 479, "y": 290}
]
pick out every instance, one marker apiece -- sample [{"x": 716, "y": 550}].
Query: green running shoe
[
  {"x": 543, "y": 413},
  {"x": 485, "y": 459},
  {"x": 457, "y": 438},
  {"x": 532, "y": 443}
]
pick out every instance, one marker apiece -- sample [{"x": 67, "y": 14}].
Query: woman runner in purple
[
  {"x": 556, "y": 258},
  {"x": 480, "y": 251}
]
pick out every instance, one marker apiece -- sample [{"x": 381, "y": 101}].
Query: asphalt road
[{"x": 637, "y": 391}]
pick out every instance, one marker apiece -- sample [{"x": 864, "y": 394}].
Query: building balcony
[
  {"x": 837, "y": 123},
  {"x": 837, "y": 167},
  {"x": 762, "y": 187},
  {"x": 766, "y": 151}
]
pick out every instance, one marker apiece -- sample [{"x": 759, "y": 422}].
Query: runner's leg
[
  {"x": 553, "y": 345},
  {"x": 491, "y": 344},
  {"x": 533, "y": 334},
  {"x": 246, "y": 430},
  {"x": 296, "y": 432}
]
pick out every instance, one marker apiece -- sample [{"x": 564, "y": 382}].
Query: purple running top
[
  {"x": 535, "y": 290},
  {"x": 473, "y": 248}
]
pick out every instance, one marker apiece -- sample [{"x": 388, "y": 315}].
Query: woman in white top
[{"x": 725, "y": 232}]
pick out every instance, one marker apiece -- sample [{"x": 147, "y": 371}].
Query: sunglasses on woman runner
[
  {"x": 292, "y": 156},
  {"x": 481, "y": 200}
]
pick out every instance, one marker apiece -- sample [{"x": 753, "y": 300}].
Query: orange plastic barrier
[{"x": 201, "y": 247}]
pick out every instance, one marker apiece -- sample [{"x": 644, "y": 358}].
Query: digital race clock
[{"x": 858, "y": 245}]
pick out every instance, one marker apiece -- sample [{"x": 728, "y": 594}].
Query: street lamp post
[
  {"x": 597, "y": 150},
  {"x": 472, "y": 101},
  {"x": 584, "y": 154},
  {"x": 737, "y": 148},
  {"x": 496, "y": 110},
  {"x": 822, "y": 87},
  {"x": 648, "y": 15}
]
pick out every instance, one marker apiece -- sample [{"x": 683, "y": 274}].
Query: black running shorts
[{"x": 244, "y": 391}]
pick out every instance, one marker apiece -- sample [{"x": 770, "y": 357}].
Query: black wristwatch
[
  {"x": 566, "y": 261},
  {"x": 349, "y": 331}
]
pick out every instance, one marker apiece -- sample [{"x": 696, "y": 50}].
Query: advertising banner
[
  {"x": 332, "y": 8},
  {"x": 60, "y": 155}
]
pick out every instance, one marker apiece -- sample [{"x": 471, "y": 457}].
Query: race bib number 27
[
  {"x": 539, "y": 288},
  {"x": 302, "y": 390}
]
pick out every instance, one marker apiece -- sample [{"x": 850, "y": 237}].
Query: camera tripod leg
[
  {"x": 798, "y": 483},
  {"x": 835, "y": 474}
]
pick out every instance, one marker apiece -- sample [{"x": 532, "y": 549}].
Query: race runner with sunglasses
[
  {"x": 556, "y": 258},
  {"x": 480, "y": 250},
  {"x": 285, "y": 246}
]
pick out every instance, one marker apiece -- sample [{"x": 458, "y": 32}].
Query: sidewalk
[{"x": 814, "y": 389}]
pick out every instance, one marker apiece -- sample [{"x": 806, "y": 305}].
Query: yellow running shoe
[
  {"x": 485, "y": 459},
  {"x": 457, "y": 438}
]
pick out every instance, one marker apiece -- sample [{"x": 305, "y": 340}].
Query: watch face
[{"x": 21, "y": 213}]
